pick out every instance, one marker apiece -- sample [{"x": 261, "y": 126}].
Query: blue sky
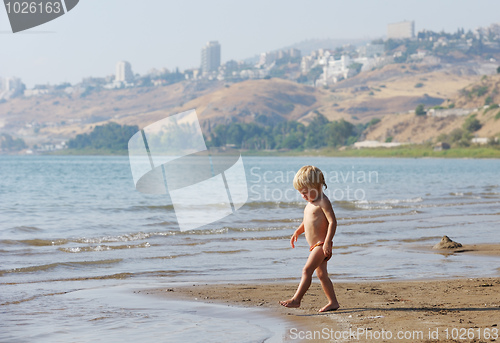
[{"x": 89, "y": 40}]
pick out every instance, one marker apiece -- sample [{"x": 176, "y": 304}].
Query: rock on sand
[{"x": 447, "y": 243}]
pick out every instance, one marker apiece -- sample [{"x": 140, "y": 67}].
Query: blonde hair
[{"x": 309, "y": 177}]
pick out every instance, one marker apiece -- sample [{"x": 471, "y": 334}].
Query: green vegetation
[
  {"x": 492, "y": 107},
  {"x": 419, "y": 85},
  {"x": 7, "y": 143},
  {"x": 373, "y": 122},
  {"x": 472, "y": 124},
  {"x": 356, "y": 67},
  {"x": 476, "y": 91},
  {"x": 312, "y": 76},
  {"x": 111, "y": 137},
  {"x": 407, "y": 151},
  {"x": 320, "y": 138},
  {"x": 420, "y": 110},
  {"x": 497, "y": 116},
  {"x": 456, "y": 138},
  {"x": 286, "y": 135}
]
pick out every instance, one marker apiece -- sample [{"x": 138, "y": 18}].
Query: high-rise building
[
  {"x": 210, "y": 57},
  {"x": 401, "y": 30},
  {"x": 12, "y": 84},
  {"x": 124, "y": 72}
]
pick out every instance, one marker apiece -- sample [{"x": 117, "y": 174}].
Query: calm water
[{"x": 76, "y": 239}]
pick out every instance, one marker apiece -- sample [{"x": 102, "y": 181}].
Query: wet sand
[{"x": 444, "y": 310}]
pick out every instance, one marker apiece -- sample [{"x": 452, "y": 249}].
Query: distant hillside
[
  {"x": 486, "y": 91},
  {"x": 410, "y": 128},
  {"x": 482, "y": 95},
  {"x": 392, "y": 89},
  {"x": 48, "y": 117}
]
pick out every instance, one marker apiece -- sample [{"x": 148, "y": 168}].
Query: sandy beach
[{"x": 443, "y": 310}]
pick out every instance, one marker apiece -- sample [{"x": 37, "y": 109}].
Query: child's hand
[
  {"x": 327, "y": 250},
  {"x": 294, "y": 239}
]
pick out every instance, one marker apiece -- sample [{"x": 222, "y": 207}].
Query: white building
[
  {"x": 210, "y": 57},
  {"x": 267, "y": 58},
  {"x": 12, "y": 84},
  {"x": 335, "y": 70},
  {"x": 11, "y": 87},
  {"x": 295, "y": 53},
  {"x": 480, "y": 140},
  {"x": 401, "y": 30},
  {"x": 124, "y": 72},
  {"x": 376, "y": 144},
  {"x": 307, "y": 63},
  {"x": 449, "y": 112},
  {"x": 371, "y": 50}
]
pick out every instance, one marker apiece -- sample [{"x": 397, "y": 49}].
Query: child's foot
[
  {"x": 330, "y": 307},
  {"x": 290, "y": 303}
]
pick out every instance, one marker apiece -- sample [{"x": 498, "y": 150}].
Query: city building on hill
[
  {"x": 12, "y": 84},
  {"x": 401, "y": 30},
  {"x": 124, "y": 72},
  {"x": 210, "y": 57},
  {"x": 268, "y": 58},
  {"x": 11, "y": 87},
  {"x": 371, "y": 50}
]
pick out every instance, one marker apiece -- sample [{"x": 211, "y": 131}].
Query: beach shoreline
[
  {"x": 438, "y": 310},
  {"x": 433, "y": 310}
]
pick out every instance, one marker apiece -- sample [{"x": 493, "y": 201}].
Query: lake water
[{"x": 76, "y": 239}]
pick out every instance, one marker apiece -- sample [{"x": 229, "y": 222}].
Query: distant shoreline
[{"x": 414, "y": 151}]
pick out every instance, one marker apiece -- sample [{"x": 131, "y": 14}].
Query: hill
[
  {"x": 420, "y": 129},
  {"x": 395, "y": 88}
]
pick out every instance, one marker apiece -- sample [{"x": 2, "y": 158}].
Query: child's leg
[
  {"x": 327, "y": 285},
  {"x": 316, "y": 257}
]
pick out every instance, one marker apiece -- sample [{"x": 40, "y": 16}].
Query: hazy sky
[{"x": 89, "y": 40}]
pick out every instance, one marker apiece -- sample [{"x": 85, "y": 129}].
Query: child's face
[{"x": 309, "y": 194}]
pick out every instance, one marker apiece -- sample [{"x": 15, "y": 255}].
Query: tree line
[
  {"x": 111, "y": 136},
  {"x": 7, "y": 143},
  {"x": 286, "y": 135},
  {"x": 252, "y": 136}
]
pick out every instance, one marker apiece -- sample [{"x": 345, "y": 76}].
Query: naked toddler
[{"x": 319, "y": 225}]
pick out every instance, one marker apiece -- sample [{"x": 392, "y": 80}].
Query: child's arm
[
  {"x": 296, "y": 235},
  {"x": 327, "y": 208}
]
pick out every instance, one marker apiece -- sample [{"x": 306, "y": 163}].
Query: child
[{"x": 319, "y": 225}]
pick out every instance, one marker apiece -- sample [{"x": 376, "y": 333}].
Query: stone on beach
[{"x": 447, "y": 243}]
